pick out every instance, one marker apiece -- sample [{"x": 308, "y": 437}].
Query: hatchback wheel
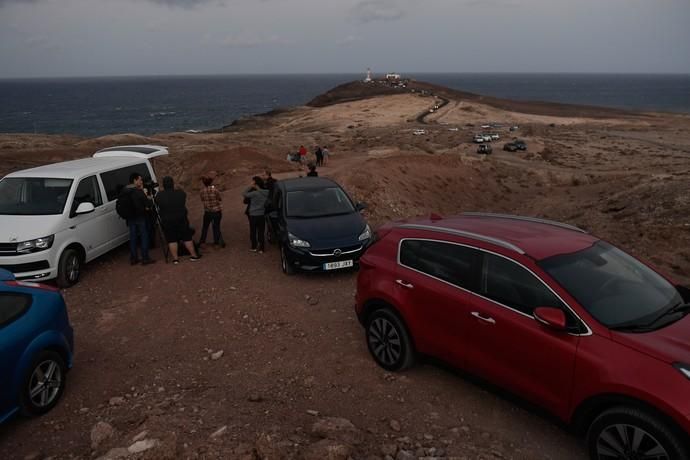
[
  {"x": 285, "y": 265},
  {"x": 631, "y": 434},
  {"x": 44, "y": 384},
  {"x": 388, "y": 340},
  {"x": 69, "y": 268}
]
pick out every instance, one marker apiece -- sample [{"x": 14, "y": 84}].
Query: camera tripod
[{"x": 158, "y": 229}]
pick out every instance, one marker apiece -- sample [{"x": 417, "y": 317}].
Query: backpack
[{"x": 124, "y": 206}]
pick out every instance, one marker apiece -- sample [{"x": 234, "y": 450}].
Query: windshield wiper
[
  {"x": 650, "y": 326},
  {"x": 678, "y": 308}
]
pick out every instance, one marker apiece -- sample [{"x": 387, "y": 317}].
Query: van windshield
[{"x": 33, "y": 196}]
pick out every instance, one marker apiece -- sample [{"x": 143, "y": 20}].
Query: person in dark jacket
[
  {"x": 271, "y": 211},
  {"x": 319, "y": 156},
  {"x": 257, "y": 195},
  {"x": 312, "y": 170},
  {"x": 138, "y": 232},
  {"x": 172, "y": 209}
]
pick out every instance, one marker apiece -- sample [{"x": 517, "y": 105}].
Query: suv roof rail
[
  {"x": 476, "y": 236},
  {"x": 526, "y": 219}
]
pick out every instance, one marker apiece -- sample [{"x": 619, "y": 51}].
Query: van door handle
[
  {"x": 486, "y": 319},
  {"x": 405, "y": 284}
]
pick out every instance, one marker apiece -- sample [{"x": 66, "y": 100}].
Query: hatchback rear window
[{"x": 12, "y": 306}]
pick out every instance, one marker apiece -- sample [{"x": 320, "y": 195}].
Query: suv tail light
[{"x": 43, "y": 287}]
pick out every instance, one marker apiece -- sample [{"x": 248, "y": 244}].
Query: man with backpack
[{"x": 133, "y": 205}]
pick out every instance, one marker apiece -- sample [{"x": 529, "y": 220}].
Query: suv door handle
[
  {"x": 486, "y": 319},
  {"x": 405, "y": 284}
]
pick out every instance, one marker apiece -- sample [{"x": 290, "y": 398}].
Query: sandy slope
[{"x": 146, "y": 334}]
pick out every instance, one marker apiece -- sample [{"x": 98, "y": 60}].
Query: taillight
[{"x": 29, "y": 284}]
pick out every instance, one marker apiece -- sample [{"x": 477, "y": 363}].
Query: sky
[{"x": 74, "y": 38}]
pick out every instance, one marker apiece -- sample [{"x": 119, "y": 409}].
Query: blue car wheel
[{"x": 44, "y": 383}]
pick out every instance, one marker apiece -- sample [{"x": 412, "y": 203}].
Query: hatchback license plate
[{"x": 337, "y": 265}]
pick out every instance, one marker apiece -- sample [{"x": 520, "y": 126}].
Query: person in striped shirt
[{"x": 213, "y": 211}]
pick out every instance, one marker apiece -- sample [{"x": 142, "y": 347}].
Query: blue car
[{"x": 36, "y": 345}]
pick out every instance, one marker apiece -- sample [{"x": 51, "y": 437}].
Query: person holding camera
[
  {"x": 172, "y": 209},
  {"x": 213, "y": 211},
  {"x": 257, "y": 196},
  {"x": 138, "y": 204}
]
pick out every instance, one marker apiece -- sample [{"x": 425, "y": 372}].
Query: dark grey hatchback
[{"x": 319, "y": 227}]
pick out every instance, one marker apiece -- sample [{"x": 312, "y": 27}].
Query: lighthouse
[{"x": 368, "y": 79}]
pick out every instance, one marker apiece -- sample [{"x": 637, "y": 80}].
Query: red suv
[{"x": 543, "y": 309}]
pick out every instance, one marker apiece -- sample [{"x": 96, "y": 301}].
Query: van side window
[
  {"x": 88, "y": 191},
  {"x": 453, "y": 263},
  {"x": 508, "y": 283},
  {"x": 114, "y": 181}
]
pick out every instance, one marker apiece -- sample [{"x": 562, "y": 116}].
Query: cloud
[
  {"x": 187, "y": 4},
  {"x": 246, "y": 41},
  {"x": 376, "y": 10},
  {"x": 349, "y": 40},
  {"x": 41, "y": 42},
  {"x": 7, "y": 2}
]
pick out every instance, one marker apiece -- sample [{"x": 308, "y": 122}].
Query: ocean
[{"x": 93, "y": 107}]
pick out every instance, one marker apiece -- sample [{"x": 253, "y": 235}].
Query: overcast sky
[{"x": 49, "y": 38}]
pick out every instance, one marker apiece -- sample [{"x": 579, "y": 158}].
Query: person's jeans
[
  {"x": 257, "y": 228},
  {"x": 212, "y": 217},
  {"x": 137, "y": 228}
]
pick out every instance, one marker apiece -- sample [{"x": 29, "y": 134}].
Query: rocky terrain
[{"x": 229, "y": 358}]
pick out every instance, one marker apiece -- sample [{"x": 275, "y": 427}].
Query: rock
[
  {"x": 217, "y": 355},
  {"x": 395, "y": 425},
  {"x": 270, "y": 446},
  {"x": 389, "y": 449},
  {"x": 313, "y": 301},
  {"x": 328, "y": 449},
  {"x": 141, "y": 446},
  {"x": 33, "y": 456},
  {"x": 116, "y": 401},
  {"x": 83, "y": 410},
  {"x": 428, "y": 437},
  {"x": 100, "y": 432},
  {"x": 112, "y": 454},
  {"x": 313, "y": 412},
  {"x": 219, "y": 432},
  {"x": 140, "y": 436},
  {"x": 405, "y": 455},
  {"x": 338, "y": 429},
  {"x": 255, "y": 398}
]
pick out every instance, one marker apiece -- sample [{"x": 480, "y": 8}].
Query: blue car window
[{"x": 12, "y": 306}]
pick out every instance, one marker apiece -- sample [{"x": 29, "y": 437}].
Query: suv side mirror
[
  {"x": 360, "y": 207},
  {"x": 551, "y": 317},
  {"x": 84, "y": 208}
]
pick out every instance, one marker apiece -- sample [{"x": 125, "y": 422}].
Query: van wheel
[
  {"x": 44, "y": 383},
  {"x": 388, "y": 340},
  {"x": 69, "y": 268},
  {"x": 627, "y": 432},
  {"x": 288, "y": 269}
]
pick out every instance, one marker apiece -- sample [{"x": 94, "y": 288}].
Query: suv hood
[
  {"x": 15, "y": 229},
  {"x": 328, "y": 232},
  {"x": 670, "y": 344}
]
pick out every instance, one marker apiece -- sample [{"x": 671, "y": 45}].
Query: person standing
[
  {"x": 312, "y": 170},
  {"x": 172, "y": 209},
  {"x": 302, "y": 154},
  {"x": 139, "y": 206},
  {"x": 325, "y": 153},
  {"x": 319, "y": 156},
  {"x": 257, "y": 196},
  {"x": 213, "y": 211},
  {"x": 271, "y": 211}
]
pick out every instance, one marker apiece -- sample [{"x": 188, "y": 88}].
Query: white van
[{"x": 56, "y": 217}]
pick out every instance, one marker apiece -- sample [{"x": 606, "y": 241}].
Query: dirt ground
[{"x": 149, "y": 339}]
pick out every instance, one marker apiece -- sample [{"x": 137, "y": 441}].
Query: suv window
[
  {"x": 114, "y": 181},
  {"x": 455, "y": 264},
  {"x": 12, "y": 306},
  {"x": 88, "y": 191},
  {"x": 510, "y": 284}
]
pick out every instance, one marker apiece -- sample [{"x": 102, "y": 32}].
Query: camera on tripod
[{"x": 150, "y": 187}]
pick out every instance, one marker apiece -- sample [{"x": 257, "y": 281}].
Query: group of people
[
  {"x": 259, "y": 200},
  {"x": 320, "y": 155},
  {"x": 169, "y": 206}
]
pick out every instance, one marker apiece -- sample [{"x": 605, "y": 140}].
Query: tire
[
  {"x": 628, "y": 432},
  {"x": 69, "y": 268},
  {"x": 389, "y": 341},
  {"x": 285, "y": 264},
  {"x": 44, "y": 383}
]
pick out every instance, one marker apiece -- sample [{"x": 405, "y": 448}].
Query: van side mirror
[
  {"x": 360, "y": 207},
  {"x": 551, "y": 317},
  {"x": 84, "y": 208}
]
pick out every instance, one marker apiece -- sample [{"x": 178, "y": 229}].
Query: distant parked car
[
  {"x": 558, "y": 316},
  {"x": 487, "y": 138},
  {"x": 495, "y": 136},
  {"x": 319, "y": 227},
  {"x": 514, "y": 128},
  {"x": 515, "y": 146},
  {"x": 484, "y": 149},
  {"x": 419, "y": 132},
  {"x": 478, "y": 139},
  {"x": 36, "y": 345}
]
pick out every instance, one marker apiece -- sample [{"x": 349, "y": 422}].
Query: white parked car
[
  {"x": 57, "y": 217},
  {"x": 487, "y": 138},
  {"x": 419, "y": 132},
  {"x": 478, "y": 139},
  {"x": 495, "y": 137}
]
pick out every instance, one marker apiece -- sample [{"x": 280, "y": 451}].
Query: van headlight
[
  {"x": 366, "y": 234},
  {"x": 297, "y": 242},
  {"x": 39, "y": 244}
]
